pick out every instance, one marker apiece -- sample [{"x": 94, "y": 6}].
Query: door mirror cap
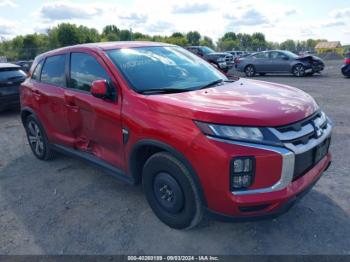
[
  {"x": 285, "y": 58},
  {"x": 99, "y": 88}
]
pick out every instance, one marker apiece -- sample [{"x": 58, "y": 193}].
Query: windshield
[
  {"x": 290, "y": 54},
  {"x": 207, "y": 50},
  {"x": 163, "y": 67},
  {"x": 9, "y": 74}
]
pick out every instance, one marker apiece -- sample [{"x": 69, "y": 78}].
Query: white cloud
[
  {"x": 341, "y": 13},
  {"x": 7, "y": 3},
  {"x": 65, "y": 10},
  {"x": 134, "y": 18},
  {"x": 333, "y": 23},
  {"x": 192, "y": 8},
  {"x": 7, "y": 27},
  {"x": 291, "y": 11},
  {"x": 250, "y": 17},
  {"x": 161, "y": 27}
]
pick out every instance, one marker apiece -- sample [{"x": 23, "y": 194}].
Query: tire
[
  {"x": 249, "y": 71},
  {"x": 298, "y": 70},
  {"x": 171, "y": 191},
  {"x": 37, "y": 139}
]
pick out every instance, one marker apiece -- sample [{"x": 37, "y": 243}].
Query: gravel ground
[{"x": 67, "y": 207}]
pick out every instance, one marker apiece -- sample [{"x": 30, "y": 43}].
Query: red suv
[{"x": 156, "y": 114}]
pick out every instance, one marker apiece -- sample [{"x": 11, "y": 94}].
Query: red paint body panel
[{"x": 81, "y": 121}]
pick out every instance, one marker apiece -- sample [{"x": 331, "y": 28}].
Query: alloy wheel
[
  {"x": 299, "y": 70},
  {"x": 35, "y": 138}
]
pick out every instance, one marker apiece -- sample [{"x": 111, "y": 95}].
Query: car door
[
  {"x": 260, "y": 61},
  {"x": 48, "y": 83},
  {"x": 95, "y": 122},
  {"x": 278, "y": 62}
]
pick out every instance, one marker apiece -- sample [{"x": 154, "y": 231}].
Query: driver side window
[{"x": 85, "y": 69}]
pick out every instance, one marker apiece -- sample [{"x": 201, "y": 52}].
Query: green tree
[
  {"x": 193, "y": 37},
  {"x": 67, "y": 34},
  {"x": 125, "y": 35},
  {"x": 289, "y": 44},
  {"x": 88, "y": 35},
  {"x": 207, "y": 41},
  {"x": 177, "y": 34}
]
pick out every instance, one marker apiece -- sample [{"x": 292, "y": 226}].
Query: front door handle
[{"x": 37, "y": 95}]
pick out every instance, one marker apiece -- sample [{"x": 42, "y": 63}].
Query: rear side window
[
  {"x": 53, "y": 71},
  {"x": 37, "y": 71},
  {"x": 84, "y": 70},
  {"x": 261, "y": 55}
]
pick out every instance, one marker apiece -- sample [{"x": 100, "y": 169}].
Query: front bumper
[
  {"x": 278, "y": 177},
  {"x": 274, "y": 205},
  {"x": 283, "y": 208}
]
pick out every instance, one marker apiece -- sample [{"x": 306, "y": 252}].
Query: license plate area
[
  {"x": 321, "y": 150},
  {"x": 307, "y": 160}
]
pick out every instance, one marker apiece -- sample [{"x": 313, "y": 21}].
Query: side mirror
[
  {"x": 285, "y": 58},
  {"x": 99, "y": 88}
]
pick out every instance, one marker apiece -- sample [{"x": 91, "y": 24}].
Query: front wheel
[
  {"x": 299, "y": 70},
  {"x": 249, "y": 71},
  {"x": 171, "y": 192}
]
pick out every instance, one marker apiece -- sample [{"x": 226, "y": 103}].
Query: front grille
[
  {"x": 229, "y": 58},
  {"x": 307, "y": 160},
  {"x": 309, "y": 139}
]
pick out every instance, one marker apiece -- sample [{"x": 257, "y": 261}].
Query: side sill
[{"x": 89, "y": 158}]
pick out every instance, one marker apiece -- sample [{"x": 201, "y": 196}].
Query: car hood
[
  {"x": 218, "y": 54},
  {"x": 244, "y": 102}
]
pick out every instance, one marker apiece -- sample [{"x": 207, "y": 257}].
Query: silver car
[{"x": 279, "y": 61}]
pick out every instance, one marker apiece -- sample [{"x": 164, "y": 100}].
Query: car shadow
[{"x": 67, "y": 207}]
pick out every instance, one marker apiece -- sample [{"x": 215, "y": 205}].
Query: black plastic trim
[{"x": 108, "y": 168}]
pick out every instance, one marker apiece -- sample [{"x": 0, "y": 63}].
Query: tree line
[{"x": 28, "y": 46}]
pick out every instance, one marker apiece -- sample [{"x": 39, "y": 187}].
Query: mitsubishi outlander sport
[{"x": 199, "y": 143}]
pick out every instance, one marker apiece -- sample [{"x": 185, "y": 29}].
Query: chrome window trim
[{"x": 287, "y": 171}]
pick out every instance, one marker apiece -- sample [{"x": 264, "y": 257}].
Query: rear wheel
[
  {"x": 249, "y": 71},
  {"x": 171, "y": 192},
  {"x": 37, "y": 139},
  {"x": 299, "y": 70}
]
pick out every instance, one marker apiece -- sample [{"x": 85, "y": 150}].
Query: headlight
[{"x": 239, "y": 133}]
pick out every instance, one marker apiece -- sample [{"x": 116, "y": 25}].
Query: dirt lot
[{"x": 67, "y": 207}]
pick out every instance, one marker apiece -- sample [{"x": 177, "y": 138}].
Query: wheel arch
[
  {"x": 145, "y": 148},
  {"x": 25, "y": 112}
]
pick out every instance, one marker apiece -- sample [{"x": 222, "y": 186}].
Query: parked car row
[
  {"x": 279, "y": 61},
  {"x": 223, "y": 60}
]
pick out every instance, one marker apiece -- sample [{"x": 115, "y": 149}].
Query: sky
[{"x": 277, "y": 19}]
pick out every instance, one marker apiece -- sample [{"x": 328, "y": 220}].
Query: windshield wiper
[
  {"x": 163, "y": 91},
  {"x": 214, "y": 83}
]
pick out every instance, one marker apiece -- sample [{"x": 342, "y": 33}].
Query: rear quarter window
[{"x": 37, "y": 71}]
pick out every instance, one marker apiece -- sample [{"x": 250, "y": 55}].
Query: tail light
[
  {"x": 347, "y": 61},
  {"x": 237, "y": 60}
]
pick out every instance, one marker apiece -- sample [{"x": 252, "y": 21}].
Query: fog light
[{"x": 242, "y": 172}]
